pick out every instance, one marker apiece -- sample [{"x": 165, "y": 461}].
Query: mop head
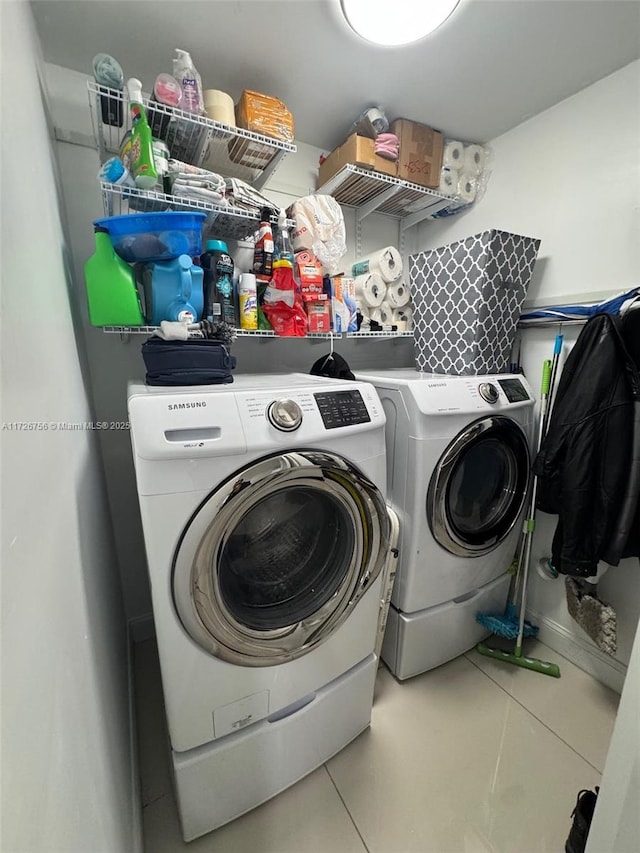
[
  {"x": 506, "y": 624},
  {"x": 594, "y": 616}
]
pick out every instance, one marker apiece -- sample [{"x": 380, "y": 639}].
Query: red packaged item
[
  {"x": 282, "y": 304},
  {"x": 310, "y": 277},
  {"x": 319, "y": 316}
]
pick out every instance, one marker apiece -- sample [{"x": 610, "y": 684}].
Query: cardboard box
[
  {"x": 359, "y": 151},
  {"x": 420, "y": 152},
  {"x": 319, "y": 316}
]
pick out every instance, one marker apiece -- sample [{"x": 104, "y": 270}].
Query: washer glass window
[
  {"x": 277, "y": 556},
  {"x": 286, "y": 557}
]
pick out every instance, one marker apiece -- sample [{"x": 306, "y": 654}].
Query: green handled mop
[{"x": 517, "y": 657}]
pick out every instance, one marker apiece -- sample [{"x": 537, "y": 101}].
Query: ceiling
[{"x": 492, "y": 65}]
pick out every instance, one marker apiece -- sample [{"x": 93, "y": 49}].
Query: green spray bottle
[
  {"x": 143, "y": 165},
  {"x": 111, "y": 287}
]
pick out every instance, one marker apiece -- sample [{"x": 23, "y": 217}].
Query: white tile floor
[{"x": 472, "y": 757}]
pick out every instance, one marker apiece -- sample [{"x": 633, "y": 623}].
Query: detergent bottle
[
  {"x": 111, "y": 287},
  {"x": 142, "y": 165},
  {"x": 217, "y": 263}
]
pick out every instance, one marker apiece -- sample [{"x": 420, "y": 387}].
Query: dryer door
[
  {"x": 479, "y": 487},
  {"x": 275, "y": 559}
]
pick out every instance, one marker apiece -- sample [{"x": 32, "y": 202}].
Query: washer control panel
[
  {"x": 342, "y": 408},
  {"x": 285, "y": 415},
  {"x": 488, "y": 392}
]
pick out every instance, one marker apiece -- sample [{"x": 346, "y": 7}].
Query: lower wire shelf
[{"x": 260, "y": 333}]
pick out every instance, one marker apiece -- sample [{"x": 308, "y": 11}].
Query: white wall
[
  {"x": 570, "y": 176},
  {"x": 67, "y": 780},
  {"x": 112, "y": 362}
]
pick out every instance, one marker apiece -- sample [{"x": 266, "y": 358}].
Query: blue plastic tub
[{"x": 144, "y": 237}]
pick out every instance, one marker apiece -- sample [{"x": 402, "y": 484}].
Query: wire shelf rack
[
  {"x": 262, "y": 333},
  {"x": 200, "y": 141},
  {"x": 225, "y": 221},
  {"x": 374, "y": 191}
]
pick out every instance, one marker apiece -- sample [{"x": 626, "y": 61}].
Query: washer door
[
  {"x": 275, "y": 559},
  {"x": 479, "y": 487}
]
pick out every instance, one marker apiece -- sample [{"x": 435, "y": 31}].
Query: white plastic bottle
[{"x": 186, "y": 74}]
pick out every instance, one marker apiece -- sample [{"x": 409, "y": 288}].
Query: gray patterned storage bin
[{"x": 466, "y": 301}]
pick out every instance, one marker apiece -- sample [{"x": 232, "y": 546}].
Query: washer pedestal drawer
[
  {"x": 218, "y": 782},
  {"x": 417, "y": 642}
]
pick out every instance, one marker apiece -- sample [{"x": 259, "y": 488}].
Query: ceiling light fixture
[{"x": 401, "y": 22}]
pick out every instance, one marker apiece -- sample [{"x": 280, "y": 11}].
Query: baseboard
[
  {"x": 141, "y": 628},
  {"x": 136, "y": 793},
  {"x": 582, "y": 653}
]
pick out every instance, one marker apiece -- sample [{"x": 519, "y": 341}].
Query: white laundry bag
[{"x": 319, "y": 228}]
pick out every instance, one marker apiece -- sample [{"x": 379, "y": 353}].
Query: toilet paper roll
[
  {"x": 453, "y": 155},
  {"x": 402, "y": 318},
  {"x": 448, "y": 181},
  {"x": 473, "y": 160},
  {"x": 398, "y": 294},
  {"x": 219, "y": 106},
  {"x": 363, "y": 309},
  {"x": 375, "y": 315},
  {"x": 467, "y": 188},
  {"x": 387, "y": 263},
  {"x": 386, "y": 313},
  {"x": 370, "y": 289}
]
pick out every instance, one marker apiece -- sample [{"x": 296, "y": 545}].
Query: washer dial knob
[
  {"x": 488, "y": 392},
  {"x": 285, "y": 415}
]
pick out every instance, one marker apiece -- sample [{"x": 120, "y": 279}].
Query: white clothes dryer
[
  {"x": 458, "y": 456},
  {"x": 266, "y": 533}
]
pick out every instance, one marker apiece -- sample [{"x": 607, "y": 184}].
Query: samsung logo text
[{"x": 199, "y": 404}]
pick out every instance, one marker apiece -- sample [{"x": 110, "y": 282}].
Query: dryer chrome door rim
[
  {"x": 505, "y": 445},
  {"x": 213, "y": 575}
]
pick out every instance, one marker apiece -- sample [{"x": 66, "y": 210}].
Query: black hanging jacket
[{"x": 589, "y": 462}]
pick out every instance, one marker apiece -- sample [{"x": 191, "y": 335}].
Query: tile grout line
[
  {"x": 351, "y": 817},
  {"x": 535, "y": 717}
]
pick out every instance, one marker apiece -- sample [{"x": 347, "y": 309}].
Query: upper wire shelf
[
  {"x": 200, "y": 141},
  {"x": 375, "y": 192}
]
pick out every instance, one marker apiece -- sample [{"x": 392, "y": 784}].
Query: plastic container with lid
[{"x": 154, "y": 236}]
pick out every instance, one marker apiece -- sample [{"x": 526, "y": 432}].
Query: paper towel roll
[
  {"x": 402, "y": 318},
  {"x": 467, "y": 188},
  {"x": 453, "y": 154},
  {"x": 448, "y": 181},
  {"x": 398, "y": 294},
  {"x": 386, "y": 312},
  {"x": 387, "y": 263},
  {"x": 370, "y": 289},
  {"x": 473, "y": 160},
  {"x": 219, "y": 106}
]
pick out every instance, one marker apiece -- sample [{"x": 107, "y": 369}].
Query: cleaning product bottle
[
  {"x": 142, "y": 165},
  {"x": 283, "y": 250},
  {"x": 248, "y": 301},
  {"x": 263, "y": 252},
  {"x": 219, "y": 302},
  {"x": 185, "y": 73},
  {"x": 111, "y": 287}
]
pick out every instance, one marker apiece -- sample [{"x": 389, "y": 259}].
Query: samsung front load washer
[
  {"x": 459, "y": 462},
  {"x": 266, "y": 533}
]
